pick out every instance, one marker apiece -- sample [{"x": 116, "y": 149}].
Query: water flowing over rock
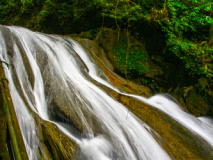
[{"x": 70, "y": 105}]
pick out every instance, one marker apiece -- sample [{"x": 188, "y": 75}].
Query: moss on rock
[
  {"x": 4, "y": 154},
  {"x": 54, "y": 144}
]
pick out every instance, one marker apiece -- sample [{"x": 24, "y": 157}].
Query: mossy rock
[
  {"x": 4, "y": 154},
  {"x": 106, "y": 39},
  {"x": 57, "y": 143}
]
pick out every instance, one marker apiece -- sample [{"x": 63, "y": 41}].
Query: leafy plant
[
  {"x": 150, "y": 83},
  {"x": 121, "y": 10},
  {"x": 134, "y": 64},
  {"x": 181, "y": 21}
]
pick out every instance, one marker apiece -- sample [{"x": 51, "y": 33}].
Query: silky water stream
[{"x": 50, "y": 71}]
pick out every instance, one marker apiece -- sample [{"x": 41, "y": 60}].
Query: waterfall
[{"x": 55, "y": 79}]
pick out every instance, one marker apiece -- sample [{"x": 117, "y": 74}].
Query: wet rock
[
  {"x": 196, "y": 104},
  {"x": 8, "y": 38},
  {"x": 4, "y": 154},
  {"x": 54, "y": 144},
  {"x": 106, "y": 39},
  {"x": 92, "y": 45},
  {"x": 154, "y": 69}
]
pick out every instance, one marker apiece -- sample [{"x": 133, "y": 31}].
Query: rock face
[
  {"x": 108, "y": 38},
  {"x": 196, "y": 104},
  {"x": 161, "y": 73},
  {"x": 54, "y": 144},
  {"x": 198, "y": 98},
  {"x": 4, "y": 154},
  {"x": 93, "y": 46}
]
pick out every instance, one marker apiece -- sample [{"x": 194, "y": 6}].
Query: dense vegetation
[
  {"x": 180, "y": 31},
  {"x": 185, "y": 24}
]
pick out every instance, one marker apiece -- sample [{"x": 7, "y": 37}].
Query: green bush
[{"x": 130, "y": 60}]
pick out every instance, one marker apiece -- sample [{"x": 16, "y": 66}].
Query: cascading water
[{"x": 52, "y": 72}]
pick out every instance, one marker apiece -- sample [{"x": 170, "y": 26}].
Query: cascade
[{"x": 54, "y": 80}]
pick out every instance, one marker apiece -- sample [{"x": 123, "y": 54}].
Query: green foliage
[
  {"x": 26, "y": 5},
  {"x": 152, "y": 84},
  {"x": 50, "y": 16},
  {"x": 123, "y": 11},
  {"x": 193, "y": 55},
  {"x": 8, "y": 10},
  {"x": 129, "y": 61},
  {"x": 183, "y": 22}
]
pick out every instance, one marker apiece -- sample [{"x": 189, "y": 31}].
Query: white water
[{"x": 63, "y": 66}]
